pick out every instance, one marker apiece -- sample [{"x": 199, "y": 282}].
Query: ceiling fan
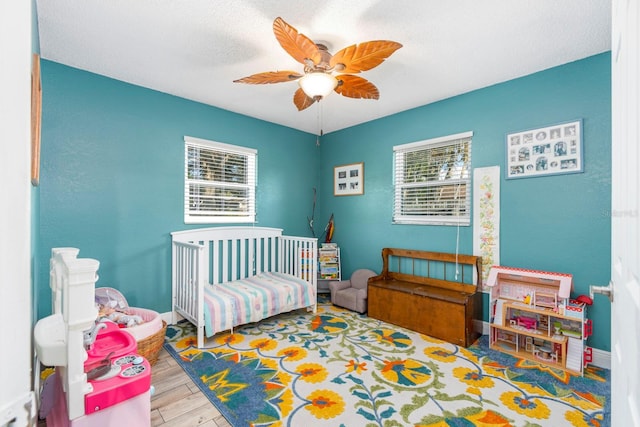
[{"x": 322, "y": 69}]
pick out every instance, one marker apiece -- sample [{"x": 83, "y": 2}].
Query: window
[
  {"x": 220, "y": 182},
  {"x": 432, "y": 181}
]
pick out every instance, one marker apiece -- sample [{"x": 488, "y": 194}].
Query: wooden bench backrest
[{"x": 436, "y": 269}]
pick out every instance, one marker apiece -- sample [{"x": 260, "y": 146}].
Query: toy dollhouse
[{"x": 533, "y": 317}]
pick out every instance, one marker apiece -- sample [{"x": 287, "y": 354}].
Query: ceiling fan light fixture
[
  {"x": 319, "y": 65},
  {"x": 317, "y": 85}
]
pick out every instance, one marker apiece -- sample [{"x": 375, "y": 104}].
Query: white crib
[{"x": 225, "y": 256}]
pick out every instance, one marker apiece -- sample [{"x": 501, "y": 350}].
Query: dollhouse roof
[{"x": 565, "y": 279}]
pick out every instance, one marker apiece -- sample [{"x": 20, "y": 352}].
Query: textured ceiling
[{"x": 195, "y": 48}]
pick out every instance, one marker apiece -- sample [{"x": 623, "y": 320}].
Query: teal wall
[
  {"x": 111, "y": 180},
  {"x": 553, "y": 223},
  {"x": 112, "y": 176}
]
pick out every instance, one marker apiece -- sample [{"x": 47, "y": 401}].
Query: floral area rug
[{"x": 339, "y": 368}]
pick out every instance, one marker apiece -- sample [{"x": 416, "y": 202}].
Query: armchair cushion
[
  {"x": 352, "y": 293},
  {"x": 338, "y": 285}
]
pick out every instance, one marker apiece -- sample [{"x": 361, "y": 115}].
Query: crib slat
[
  {"x": 258, "y": 266},
  {"x": 234, "y": 259},
  {"x": 225, "y": 260},
  {"x": 213, "y": 262},
  {"x": 242, "y": 256}
]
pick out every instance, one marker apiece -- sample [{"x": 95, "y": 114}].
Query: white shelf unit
[
  {"x": 533, "y": 318},
  {"x": 329, "y": 267}
]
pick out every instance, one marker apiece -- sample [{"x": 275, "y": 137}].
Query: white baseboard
[
  {"x": 601, "y": 358},
  {"x": 169, "y": 317},
  {"x": 483, "y": 327}
]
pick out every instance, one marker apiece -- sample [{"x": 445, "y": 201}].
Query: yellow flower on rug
[
  {"x": 190, "y": 341},
  {"x": 531, "y": 407},
  {"x": 312, "y": 372},
  {"x": 581, "y": 419},
  {"x": 293, "y": 354},
  {"x": 472, "y": 377},
  {"x": 440, "y": 354},
  {"x": 325, "y": 404},
  {"x": 264, "y": 344},
  {"x": 231, "y": 339}
]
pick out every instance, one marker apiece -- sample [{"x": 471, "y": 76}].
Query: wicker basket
[{"x": 150, "y": 347}]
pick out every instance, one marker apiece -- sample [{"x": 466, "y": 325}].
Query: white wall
[{"x": 15, "y": 213}]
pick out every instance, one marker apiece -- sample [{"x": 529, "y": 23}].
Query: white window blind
[
  {"x": 220, "y": 182},
  {"x": 432, "y": 181}
]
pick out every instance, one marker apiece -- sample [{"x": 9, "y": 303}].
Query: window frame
[
  {"x": 190, "y": 215},
  {"x": 430, "y": 217}
]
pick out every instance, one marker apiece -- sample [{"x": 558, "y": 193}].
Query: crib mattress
[{"x": 252, "y": 299}]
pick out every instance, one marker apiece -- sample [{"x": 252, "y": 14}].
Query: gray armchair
[{"x": 352, "y": 293}]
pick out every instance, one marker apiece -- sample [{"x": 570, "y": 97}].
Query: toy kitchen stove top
[{"x": 114, "y": 370}]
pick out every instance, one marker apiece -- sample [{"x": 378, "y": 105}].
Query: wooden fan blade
[
  {"x": 269, "y": 77},
  {"x": 301, "y": 100},
  {"x": 363, "y": 56},
  {"x": 299, "y": 46},
  {"x": 356, "y": 87}
]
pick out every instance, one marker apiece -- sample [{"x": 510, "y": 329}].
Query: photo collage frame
[{"x": 543, "y": 151}]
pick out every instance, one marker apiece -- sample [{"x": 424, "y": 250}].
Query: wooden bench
[{"x": 436, "y": 294}]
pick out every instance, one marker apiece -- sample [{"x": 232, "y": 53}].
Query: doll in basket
[
  {"x": 113, "y": 306},
  {"x": 121, "y": 318}
]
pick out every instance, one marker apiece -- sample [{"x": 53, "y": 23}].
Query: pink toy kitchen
[{"x": 99, "y": 379}]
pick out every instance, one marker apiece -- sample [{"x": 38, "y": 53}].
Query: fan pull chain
[{"x": 319, "y": 119}]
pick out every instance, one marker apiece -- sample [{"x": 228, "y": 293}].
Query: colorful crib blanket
[{"x": 252, "y": 299}]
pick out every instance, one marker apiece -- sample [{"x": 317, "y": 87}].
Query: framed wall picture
[
  {"x": 348, "y": 180},
  {"x": 544, "y": 151}
]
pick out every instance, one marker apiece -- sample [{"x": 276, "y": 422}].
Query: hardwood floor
[{"x": 177, "y": 401}]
